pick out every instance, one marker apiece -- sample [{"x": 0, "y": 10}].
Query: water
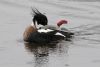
[
  {"x": 84, "y": 0},
  {"x": 82, "y": 51}
]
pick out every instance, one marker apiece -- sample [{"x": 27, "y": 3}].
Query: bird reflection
[{"x": 41, "y": 52}]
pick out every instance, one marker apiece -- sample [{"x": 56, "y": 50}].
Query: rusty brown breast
[{"x": 28, "y": 32}]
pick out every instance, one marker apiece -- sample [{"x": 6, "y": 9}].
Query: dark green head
[{"x": 39, "y": 18}]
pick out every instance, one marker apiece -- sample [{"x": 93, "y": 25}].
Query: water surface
[{"x": 82, "y": 51}]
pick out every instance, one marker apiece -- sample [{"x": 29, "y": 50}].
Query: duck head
[{"x": 39, "y": 18}]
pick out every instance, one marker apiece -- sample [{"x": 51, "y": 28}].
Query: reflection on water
[{"x": 42, "y": 52}]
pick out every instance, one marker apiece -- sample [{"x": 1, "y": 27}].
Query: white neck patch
[
  {"x": 37, "y": 26},
  {"x": 32, "y": 24}
]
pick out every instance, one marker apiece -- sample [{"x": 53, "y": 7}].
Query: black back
[{"x": 39, "y": 17}]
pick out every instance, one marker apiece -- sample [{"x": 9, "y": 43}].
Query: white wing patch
[
  {"x": 49, "y": 30},
  {"x": 60, "y": 34},
  {"x": 44, "y": 30}
]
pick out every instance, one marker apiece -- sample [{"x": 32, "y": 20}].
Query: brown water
[{"x": 82, "y": 51}]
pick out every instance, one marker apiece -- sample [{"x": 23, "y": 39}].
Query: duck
[{"x": 46, "y": 33}]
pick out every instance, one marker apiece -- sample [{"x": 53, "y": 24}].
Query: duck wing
[{"x": 41, "y": 36}]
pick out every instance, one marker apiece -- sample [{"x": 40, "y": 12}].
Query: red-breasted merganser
[{"x": 44, "y": 34}]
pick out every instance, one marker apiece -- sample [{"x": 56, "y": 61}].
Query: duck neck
[{"x": 33, "y": 25}]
